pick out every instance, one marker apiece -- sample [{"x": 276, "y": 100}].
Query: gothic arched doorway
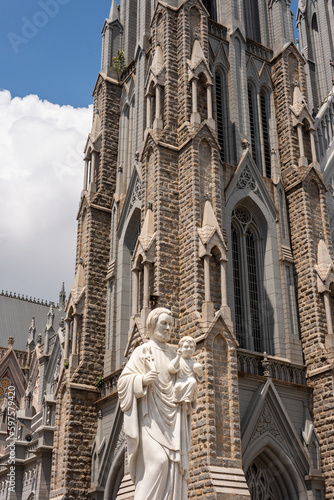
[{"x": 269, "y": 477}]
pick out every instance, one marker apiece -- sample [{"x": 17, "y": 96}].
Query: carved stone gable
[
  {"x": 266, "y": 424},
  {"x": 247, "y": 180}
]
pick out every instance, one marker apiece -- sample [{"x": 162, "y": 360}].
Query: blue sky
[
  {"x": 52, "y": 48},
  {"x": 50, "y": 52}
]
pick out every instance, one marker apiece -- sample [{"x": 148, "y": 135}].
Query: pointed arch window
[
  {"x": 210, "y": 6},
  {"x": 252, "y": 20},
  {"x": 265, "y": 115},
  {"x": 254, "y": 124},
  {"x": 247, "y": 281},
  {"x": 315, "y": 22},
  {"x": 222, "y": 113}
]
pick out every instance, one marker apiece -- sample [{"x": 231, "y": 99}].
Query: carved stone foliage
[{"x": 265, "y": 424}]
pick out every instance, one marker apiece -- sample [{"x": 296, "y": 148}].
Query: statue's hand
[{"x": 150, "y": 377}]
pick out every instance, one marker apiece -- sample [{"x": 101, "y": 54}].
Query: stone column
[
  {"x": 67, "y": 337},
  {"x": 313, "y": 148},
  {"x": 329, "y": 338},
  {"x": 300, "y": 140},
  {"x": 328, "y": 313},
  {"x": 92, "y": 185},
  {"x": 85, "y": 175},
  {"x": 146, "y": 297},
  {"x": 195, "y": 116},
  {"x": 194, "y": 95},
  {"x": 207, "y": 307},
  {"x": 207, "y": 290},
  {"x": 158, "y": 125},
  {"x": 211, "y": 121},
  {"x": 74, "y": 356},
  {"x": 302, "y": 160},
  {"x": 223, "y": 284},
  {"x": 148, "y": 111},
  {"x": 135, "y": 287},
  {"x": 146, "y": 294},
  {"x": 75, "y": 334}
]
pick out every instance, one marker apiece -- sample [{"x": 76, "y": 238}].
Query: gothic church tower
[{"x": 204, "y": 191}]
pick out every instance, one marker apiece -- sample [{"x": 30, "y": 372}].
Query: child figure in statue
[{"x": 189, "y": 372}]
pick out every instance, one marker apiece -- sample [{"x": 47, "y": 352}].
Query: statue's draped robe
[
  {"x": 157, "y": 429},
  {"x": 186, "y": 383}
]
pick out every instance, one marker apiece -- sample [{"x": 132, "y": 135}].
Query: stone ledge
[
  {"x": 126, "y": 490},
  {"x": 319, "y": 371},
  {"x": 229, "y": 481}
]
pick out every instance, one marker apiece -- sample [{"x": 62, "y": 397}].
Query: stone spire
[
  {"x": 62, "y": 297},
  {"x": 50, "y": 317},
  {"x": 31, "y": 336},
  {"x": 113, "y": 16}
]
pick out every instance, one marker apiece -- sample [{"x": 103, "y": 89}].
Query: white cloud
[{"x": 41, "y": 175}]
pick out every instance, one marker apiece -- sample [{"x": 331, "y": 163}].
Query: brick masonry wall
[
  {"x": 76, "y": 414},
  {"x": 308, "y": 218},
  {"x": 216, "y": 439}
]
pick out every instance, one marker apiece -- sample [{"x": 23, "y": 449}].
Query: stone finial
[
  {"x": 50, "y": 317},
  {"x": 197, "y": 55},
  {"x": 266, "y": 365},
  {"x": 147, "y": 233},
  {"x": 207, "y": 197},
  {"x": 245, "y": 144},
  {"x": 11, "y": 342},
  {"x": 113, "y": 16},
  {"x": 62, "y": 297},
  {"x": 32, "y": 328},
  {"x": 158, "y": 60},
  {"x": 324, "y": 266},
  {"x": 31, "y": 335},
  {"x": 298, "y": 97}
]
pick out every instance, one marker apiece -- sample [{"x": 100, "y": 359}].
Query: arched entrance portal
[{"x": 270, "y": 478}]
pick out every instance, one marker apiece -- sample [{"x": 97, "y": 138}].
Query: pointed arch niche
[
  {"x": 254, "y": 274},
  {"x": 205, "y": 162},
  {"x": 127, "y": 236},
  {"x": 274, "y": 457},
  {"x": 125, "y": 149},
  {"x": 248, "y": 236},
  {"x": 195, "y": 25}
]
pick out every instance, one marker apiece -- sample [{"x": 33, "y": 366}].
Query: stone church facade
[{"x": 208, "y": 188}]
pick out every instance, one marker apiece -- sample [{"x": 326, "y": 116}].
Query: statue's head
[
  {"x": 159, "y": 319},
  {"x": 187, "y": 345}
]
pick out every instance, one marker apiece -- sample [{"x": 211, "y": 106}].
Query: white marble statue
[
  {"x": 156, "y": 426},
  {"x": 188, "y": 372}
]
